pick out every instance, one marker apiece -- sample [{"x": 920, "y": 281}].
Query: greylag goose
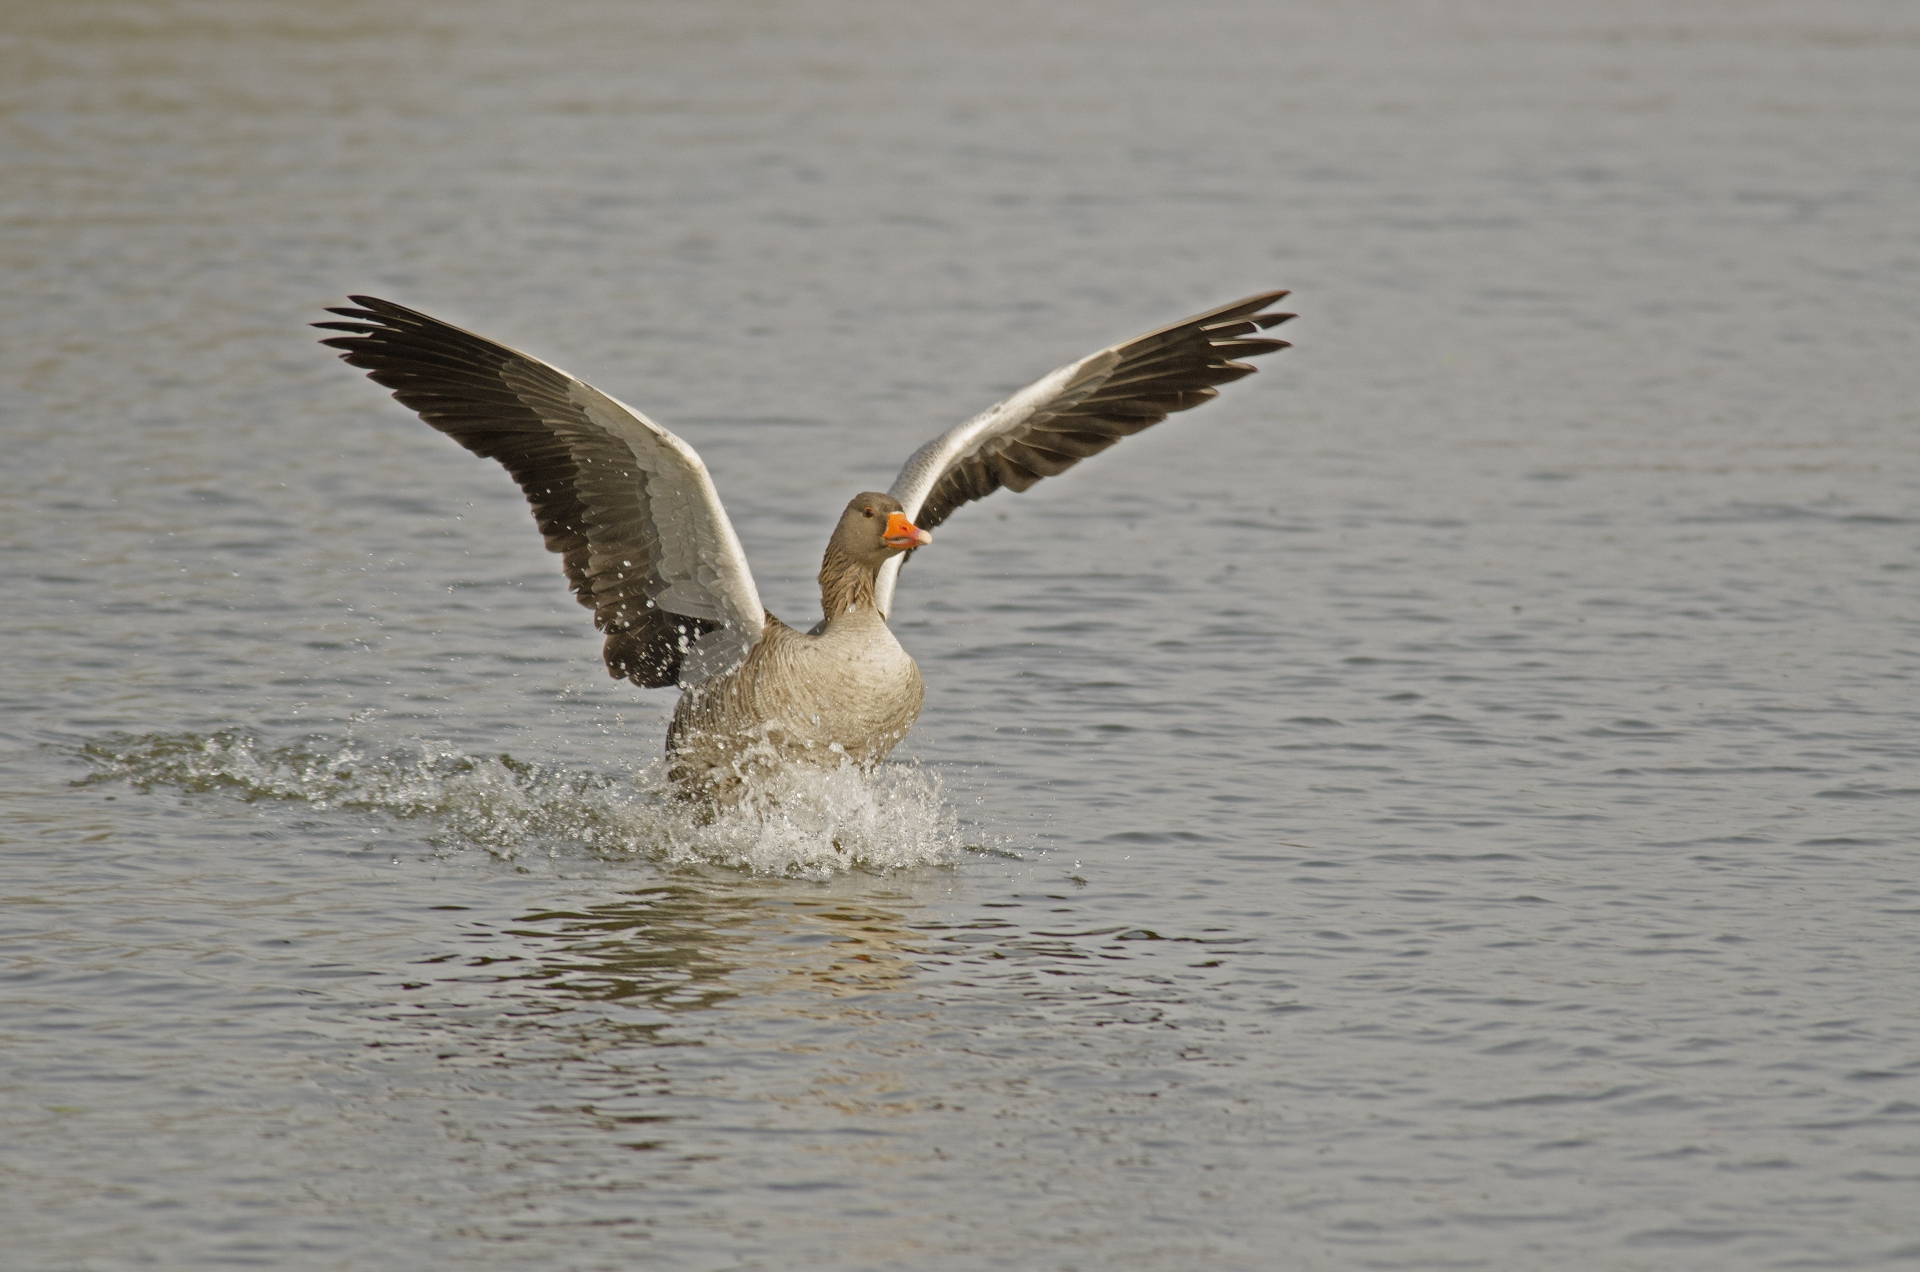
[{"x": 646, "y": 544}]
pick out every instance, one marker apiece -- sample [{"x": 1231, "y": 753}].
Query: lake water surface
[{"x": 1452, "y": 803}]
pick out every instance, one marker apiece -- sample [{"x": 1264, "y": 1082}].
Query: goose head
[{"x": 872, "y": 529}]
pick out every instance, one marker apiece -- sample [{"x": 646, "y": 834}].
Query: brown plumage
[
  {"x": 844, "y": 691},
  {"x": 647, "y": 546}
]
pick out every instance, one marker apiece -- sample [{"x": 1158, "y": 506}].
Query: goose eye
[{"x": 868, "y": 511}]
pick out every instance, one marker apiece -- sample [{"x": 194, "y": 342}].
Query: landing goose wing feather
[
  {"x": 629, "y": 507},
  {"x": 1080, "y": 410}
]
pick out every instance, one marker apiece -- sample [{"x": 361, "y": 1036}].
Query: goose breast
[{"x": 851, "y": 691}]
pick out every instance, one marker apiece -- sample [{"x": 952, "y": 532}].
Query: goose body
[
  {"x": 849, "y": 693},
  {"x": 647, "y": 546}
]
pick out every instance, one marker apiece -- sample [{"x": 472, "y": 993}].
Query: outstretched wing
[
  {"x": 1080, "y": 410},
  {"x": 628, "y": 506}
]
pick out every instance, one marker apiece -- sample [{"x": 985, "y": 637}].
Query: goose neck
[{"x": 846, "y": 587}]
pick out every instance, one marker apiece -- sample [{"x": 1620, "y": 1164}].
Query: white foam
[{"x": 813, "y": 822}]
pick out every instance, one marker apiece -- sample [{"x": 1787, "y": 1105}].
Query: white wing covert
[
  {"x": 1078, "y": 411},
  {"x": 630, "y": 508}
]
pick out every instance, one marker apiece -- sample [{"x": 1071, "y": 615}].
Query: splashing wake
[{"x": 801, "y": 822}]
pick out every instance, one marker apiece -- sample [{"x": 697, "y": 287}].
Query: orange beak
[{"x": 902, "y": 533}]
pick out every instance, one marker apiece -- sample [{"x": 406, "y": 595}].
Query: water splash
[{"x": 799, "y": 822}]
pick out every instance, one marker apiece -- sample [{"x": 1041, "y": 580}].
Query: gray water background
[{"x": 1450, "y": 803}]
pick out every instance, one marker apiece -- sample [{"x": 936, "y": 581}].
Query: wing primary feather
[
  {"x": 1080, "y": 410},
  {"x": 629, "y": 507}
]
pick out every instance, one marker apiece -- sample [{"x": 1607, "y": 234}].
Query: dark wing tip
[
  {"x": 366, "y": 320},
  {"x": 1244, "y": 308},
  {"x": 1247, "y": 347},
  {"x": 372, "y": 308}
]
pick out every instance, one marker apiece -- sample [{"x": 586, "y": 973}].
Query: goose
[{"x": 646, "y": 545}]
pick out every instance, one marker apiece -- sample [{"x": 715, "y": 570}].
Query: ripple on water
[{"x": 802, "y": 822}]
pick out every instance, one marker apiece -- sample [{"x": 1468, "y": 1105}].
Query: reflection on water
[
  {"x": 682, "y": 946},
  {"x": 664, "y": 947}
]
